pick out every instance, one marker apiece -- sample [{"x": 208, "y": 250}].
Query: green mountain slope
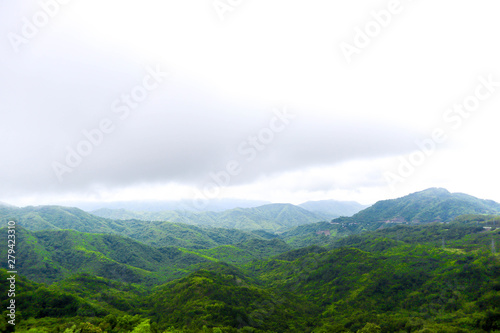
[
  {"x": 422, "y": 207},
  {"x": 223, "y": 296},
  {"x": 427, "y": 206},
  {"x": 157, "y": 233},
  {"x": 240, "y": 253},
  {"x": 111, "y": 296},
  {"x": 274, "y": 217},
  {"x": 37, "y": 301},
  {"x": 395, "y": 279},
  {"x": 57, "y": 217},
  {"x": 399, "y": 286},
  {"x": 48, "y": 256}
]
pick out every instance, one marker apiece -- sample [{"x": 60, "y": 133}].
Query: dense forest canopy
[{"x": 354, "y": 274}]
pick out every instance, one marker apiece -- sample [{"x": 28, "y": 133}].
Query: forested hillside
[
  {"x": 434, "y": 204},
  {"x": 438, "y": 277},
  {"x": 348, "y": 275},
  {"x": 50, "y": 256}
]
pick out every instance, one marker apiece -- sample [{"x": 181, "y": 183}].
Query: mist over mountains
[
  {"x": 434, "y": 204},
  {"x": 271, "y": 217},
  {"x": 333, "y": 208}
]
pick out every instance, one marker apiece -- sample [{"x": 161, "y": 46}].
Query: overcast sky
[{"x": 281, "y": 100}]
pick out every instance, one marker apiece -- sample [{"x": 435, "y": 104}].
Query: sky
[{"x": 283, "y": 101}]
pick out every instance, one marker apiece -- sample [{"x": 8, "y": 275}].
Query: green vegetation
[
  {"x": 155, "y": 233},
  {"x": 435, "y": 204},
  {"x": 50, "y": 256},
  {"x": 246, "y": 251},
  {"x": 399, "y": 279},
  {"x": 321, "y": 277}
]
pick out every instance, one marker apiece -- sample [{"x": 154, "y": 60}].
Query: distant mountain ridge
[
  {"x": 294, "y": 224},
  {"x": 156, "y": 233},
  {"x": 272, "y": 217}
]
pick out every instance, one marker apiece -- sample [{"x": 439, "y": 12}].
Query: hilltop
[
  {"x": 434, "y": 204},
  {"x": 431, "y": 205}
]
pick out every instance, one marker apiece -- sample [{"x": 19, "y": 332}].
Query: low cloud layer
[{"x": 170, "y": 139}]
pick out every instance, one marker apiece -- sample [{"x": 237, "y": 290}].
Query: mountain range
[
  {"x": 272, "y": 217},
  {"x": 431, "y": 205},
  {"x": 426, "y": 262},
  {"x": 402, "y": 278},
  {"x": 50, "y": 256},
  {"x": 291, "y": 223}
]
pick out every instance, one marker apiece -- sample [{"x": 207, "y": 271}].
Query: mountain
[
  {"x": 402, "y": 278},
  {"x": 49, "y": 256},
  {"x": 333, "y": 208},
  {"x": 272, "y": 217},
  {"x": 434, "y": 204},
  {"x": 57, "y": 217},
  {"x": 156, "y": 233},
  {"x": 160, "y": 234},
  {"x": 389, "y": 280},
  {"x": 224, "y": 296},
  {"x": 37, "y": 301},
  {"x": 53, "y": 255}
]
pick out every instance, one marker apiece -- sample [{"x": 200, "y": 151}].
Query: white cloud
[{"x": 226, "y": 76}]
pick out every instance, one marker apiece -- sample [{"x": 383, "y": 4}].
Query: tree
[
  {"x": 370, "y": 328},
  {"x": 89, "y": 328},
  {"x": 143, "y": 327}
]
